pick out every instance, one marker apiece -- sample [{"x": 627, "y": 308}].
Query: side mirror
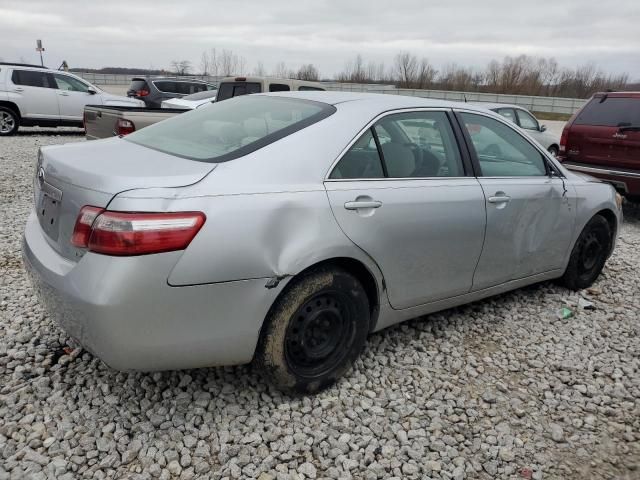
[
  {"x": 543, "y": 128},
  {"x": 91, "y": 91}
]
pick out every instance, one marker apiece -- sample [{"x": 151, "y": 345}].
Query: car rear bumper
[
  {"x": 627, "y": 181},
  {"x": 122, "y": 309}
]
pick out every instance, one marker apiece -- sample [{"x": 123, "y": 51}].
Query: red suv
[{"x": 603, "y": 140}]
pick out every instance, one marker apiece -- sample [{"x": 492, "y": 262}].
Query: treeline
[
  {"x": 226, "y": 63},
  {"x": 524, "y": 75}
]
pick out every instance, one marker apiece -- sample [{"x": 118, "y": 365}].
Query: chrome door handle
[
  {"x": 18, "y": 89},
  {"x": 64, "y": 94},
  {"x": 499, "y": 199},
  {"x": 362, "y": 204}
]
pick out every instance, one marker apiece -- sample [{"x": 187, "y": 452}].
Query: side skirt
[{"x": 389, "y": 317}]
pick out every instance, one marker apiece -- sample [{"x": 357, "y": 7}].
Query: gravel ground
[{"x": 503, "y": 388}]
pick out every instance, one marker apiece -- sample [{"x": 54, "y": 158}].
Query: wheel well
[
  {"x": 611, "y": 219},
  {"x": 364, "y": 276},
  {"x": 10, "y": 105}
]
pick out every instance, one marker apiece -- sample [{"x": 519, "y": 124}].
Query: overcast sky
[{"x": 142, "y": 33}]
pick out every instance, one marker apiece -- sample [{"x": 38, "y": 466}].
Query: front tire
[
  {"x": 314, "y": 332},
  {"x": 553, "y": 150},
  {"x": 9, "y": 121},
  {"x": 588, "y": 255}
]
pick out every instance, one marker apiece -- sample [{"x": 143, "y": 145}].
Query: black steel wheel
[
  {"x": 589, "y": 254},
  {"x": 314, "y": 332}
]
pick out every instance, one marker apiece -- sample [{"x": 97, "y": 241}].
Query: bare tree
[
  {"x": 228, "y": 62},
  {"x": 406, "y": 69},
  {"x": 354, "y": 71},
  {"x": 308, "y": 72},
  {"x": 280, "y": 70},
  {"x": 205, "y": 63},
  {"x": 259, "y": 70},
  {"x": 181, "y": 67}
]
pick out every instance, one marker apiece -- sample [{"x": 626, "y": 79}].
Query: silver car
[
  {"x": 530, "y": 124},
  {"x": 284, "y": 228}
]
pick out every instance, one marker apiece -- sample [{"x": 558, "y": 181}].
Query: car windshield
[
  {"x": 201, "y": 95},
  {"x": 231, "y": 129}
]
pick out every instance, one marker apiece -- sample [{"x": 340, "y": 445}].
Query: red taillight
[
  {"x": 142, "y": 93},
  {"x": 241, "y": 79},
  {"x": 124, "y": 127},
  {"x": 121, "y": 233},
  {"x": 563, "y": 139},
  {"x": 82, "y": 228}
]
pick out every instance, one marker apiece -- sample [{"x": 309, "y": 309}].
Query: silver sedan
[{"x": 284, "y": 228}]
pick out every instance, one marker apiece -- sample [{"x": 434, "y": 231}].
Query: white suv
[{"x": 37, "y": 96}]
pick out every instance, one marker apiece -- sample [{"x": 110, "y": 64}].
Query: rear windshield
[
  {"x": 228, "y": 130},
  {"x": 612, "y": 112},
  {"x": 235, "y": 89},
  {"x": 138, "y": 85}
]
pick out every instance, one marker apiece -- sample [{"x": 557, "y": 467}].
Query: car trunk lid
[{"x": 71, "y": 176}]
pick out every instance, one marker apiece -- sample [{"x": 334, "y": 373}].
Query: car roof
[
  {"x": 383, "y": 101},
  {"x": 618, "y": 94},
  {"x": 175, "y": 79},
  {"x": 492, "y": 106}
]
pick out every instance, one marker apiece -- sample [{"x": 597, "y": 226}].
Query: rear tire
[
  {"x": 9, "y": 121},
  {"x": 314, "y": 331},
  {"x": 553, "y": 150},
  {"x": 589, "y": 254}
]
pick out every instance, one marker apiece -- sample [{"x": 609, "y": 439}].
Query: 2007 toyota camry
[{"x": 284, "y": 228}]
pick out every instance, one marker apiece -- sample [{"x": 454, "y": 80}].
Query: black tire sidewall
[
  {"x": 16, "y": 119},
  {"x": 572, "y": 278},
  {"x": 553, "y": 150},
  {"x": 270, "y": 354}
]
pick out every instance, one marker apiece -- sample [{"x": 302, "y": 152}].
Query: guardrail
[{"x": 534, "y": 103}]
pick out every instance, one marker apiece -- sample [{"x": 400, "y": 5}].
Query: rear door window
[
  {"x": 31, "y": 78},
  {"x": 234, "y": 89},
  {"x": 610, "y": 112},
  {"x": 501, "y": 151},
  {"x": 278, "y": 87},
  {"x": 308, "y": 88},
  {"x": 167, "y": 86}
]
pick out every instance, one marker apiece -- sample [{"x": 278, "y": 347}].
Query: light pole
[{"x": 40, "y": 48}]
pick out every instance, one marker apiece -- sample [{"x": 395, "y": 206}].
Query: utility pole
[{"x": 40, "y": 48}]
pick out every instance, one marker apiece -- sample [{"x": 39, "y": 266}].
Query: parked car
[
  {"x": 103, "y": 122},
  {"x": 31, "y": 95},
  {"x": 530, "y": 124},
  {"x": 191, "y": 101},
  {"x": 235, "y": 86},
  {"x": 278, "y": 228},
  {"x": 603, "y": 140},
  {"x": 153, "y": 91}
]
